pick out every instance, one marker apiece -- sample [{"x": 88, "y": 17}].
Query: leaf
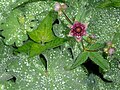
[
  {"x": 34, "y": 73},
  {"x": 72, "y": 10},
  {"x": 99, "y": 60},
  {"x": 109, "y": 3},
  {"x": 5, "y": 76},
  {"x": 44, "y": 31},
  {"x": 20, "y": 3},
  {"x": 116, "y": 38},
  {"x": 12, "y": 30},
  {"x": 104, "y": 4},
  {"x": 25, "y": 48},
  {"x": 37, "y": 49},
  {"x": 61, "y": 29},
  {"x": 97, "y": 46},
  {"x": 55, "y": 43},
  {"x": 80, "y": 59},
  {"x": 83, "y": 15}
]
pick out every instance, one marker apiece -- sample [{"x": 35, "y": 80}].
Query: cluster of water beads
[
  {"x": 5, "y": 8},
  {"x": 31, "y": 74},
  {"x": 98, "y": 26},
  {"x": 105, "y": 24},
  {"x": 31, "y": 17}
]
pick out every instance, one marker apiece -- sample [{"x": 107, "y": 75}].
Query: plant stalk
[{"x": 67, "y": 18}]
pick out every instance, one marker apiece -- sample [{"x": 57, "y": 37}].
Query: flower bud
[
  {"x": 59, "y": 7},
  {"x": 93, "y": 36},
  {"x": 111, "y": 51}
]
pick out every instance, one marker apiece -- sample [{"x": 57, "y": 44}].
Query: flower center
[{"x": 78, "y": 30}]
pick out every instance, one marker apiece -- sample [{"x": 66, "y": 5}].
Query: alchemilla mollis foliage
[{"x": 59, "y": 45}]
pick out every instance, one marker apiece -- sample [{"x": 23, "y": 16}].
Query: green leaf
[
  {"x": 97, "y": 46},
  {"x": 5, "y": 76},
  {"x": 83, "y": 15},
  {"x": 99, "y": 60},
  {"x": 37, "y": 49},
  {"x": 25, "y": 48},
  {"x": 34, "y": 73},
  {"x": 12, "y": 30},
  {"x": 116, "y": 38},
  {"x": 20, "y": 3},
  {"x": 44, "y": 31},
  {"x": 109, "y": 3},
  {"x": 80, "y": 59},
  {"x": 104, "y": 4},
  {"x": 55, "y": 43}
]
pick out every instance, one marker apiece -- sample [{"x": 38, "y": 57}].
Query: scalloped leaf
[
  {"x": 30, "y": 72},
  {"x": 6, "y": 57},
  {"x": 12, "y": 30},
  {"x": 44, "y": 31},
  {"x": 5, "y": 9},
  {"x": 24, "y": 2}
]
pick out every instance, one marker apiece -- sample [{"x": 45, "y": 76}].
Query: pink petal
[
  {"x": 57, "y": 6},
  {"x": 86, "y": 25},
  {"x": 64, "y": 6},
  {"x": 111, "y": 51},
  {"x": 78, "y": 39},
  {"x": 70, "y": 34},
  {"x": 76, "y": 22},
  {"x": 84, "y": 33},
  {"x": 70, "y": 26}
]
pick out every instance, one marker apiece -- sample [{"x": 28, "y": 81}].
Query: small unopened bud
[
  {"x": 109, "y": 44},
  {"x": 93, "y": 36},
  {"x": 59, "y": 7},
  {"x": 111, "y": 51},
  {"x": 106, "y": 50}
]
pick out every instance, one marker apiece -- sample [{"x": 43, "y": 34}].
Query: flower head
[
  {"x": 59, "y": 7},
  {"x": 110, "y": 49},
  {"x": 78, "y": 30},
  {"x": 110, "y": 44}
]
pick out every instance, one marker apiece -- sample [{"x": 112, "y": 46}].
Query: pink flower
[
  {"x": 78, "y": 30},
  {"x": 111, "y": 51},
  {"x": 59, "y": 7}
]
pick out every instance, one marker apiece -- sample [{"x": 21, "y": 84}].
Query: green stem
[
  {"x": 67, "y": 18},
  {"x": 82, "y": 45},
  {"x": 91, "y": 50},
  {"x": 84, "y": 49},
  {"x": 86, "y": 40}
]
